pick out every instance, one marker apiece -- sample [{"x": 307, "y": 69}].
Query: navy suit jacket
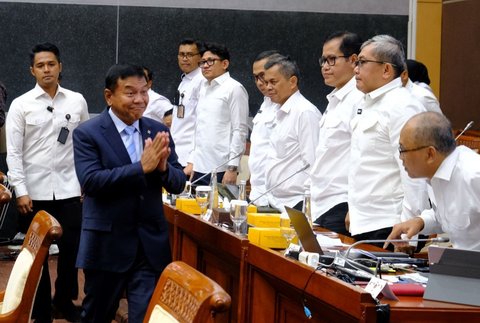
[{"x": 122, "y": 206}]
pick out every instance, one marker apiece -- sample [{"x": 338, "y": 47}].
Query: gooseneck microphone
[
  {"x": 468, "y": 126},
  {"x": 215, "y": 169},
  {"x": 307, "y": 165}
]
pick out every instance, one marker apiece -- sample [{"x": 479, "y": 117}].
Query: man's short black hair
[
  {"x": 266, "y": 54},
  {"x": 44, "y": 47},
  {"x": 148, "y": 73},
  {"x": 192, "y": 41},
  {"x": 417, "y": 71},
  {"x": 122, "y": 71},
  {"x": 217, "y": 49},
  {"x": 350, "y": 44}
]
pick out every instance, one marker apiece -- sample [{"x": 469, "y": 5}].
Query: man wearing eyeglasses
[
  {"x": 293, "y": 138},
  {"x": 263, "y": 123},
  {"x": 222, "y": 112},
  {"x": 428, "y": 150},
  {"x": 185, "y": 104},
  {"x": 380, "y": 192},
  {"x": 329, "y": 175}
]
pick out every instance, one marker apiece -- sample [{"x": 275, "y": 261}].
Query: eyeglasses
[
  {"x": 187, "y": 55},
  {"x": 259, "y": 77},
  {"x": 331, "y": 60},
  {"x": 402, "y": 150},
  {"x": 209, "y": 62},
  {"x": 361, "y": 62}
]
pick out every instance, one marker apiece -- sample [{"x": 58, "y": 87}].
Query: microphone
[
  {"x": 215, "y": 169},
  {"x": 468, "y": 126},
  {"x": 438, "y": 239},
  {"x": 50, "y": 109},
  {"x": 307, "y": 165}
]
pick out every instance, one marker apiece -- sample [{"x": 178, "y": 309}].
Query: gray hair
[
  {"x": 434, "y": 129},
  {"x": 389, "y": 50},
  {"x": 287, "y": 67}
]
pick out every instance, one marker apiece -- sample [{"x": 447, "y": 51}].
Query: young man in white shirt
[
  {"x": 428, "y": 150},
  {"x": 41, "y": 169},
  {"x": 222, "y": 112},
  {"x": 293, "y": 138},
  {"x": 329, "y": 175},
  {"x": 262, "y": 128},
  {"x": 184, "y": 114},
  {"x": 379, "y": 191}
]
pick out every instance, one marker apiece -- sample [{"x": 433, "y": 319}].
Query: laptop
[{"x": 304, "y": 231}]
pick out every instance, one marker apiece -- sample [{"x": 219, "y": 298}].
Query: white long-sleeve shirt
[
  {"x": 377, "y": 181},
  {"x": 329, "y": 174},
  {"x": 426, "y": 97},
  {"x": 260, "y": 149},
  {"x": 456, "y": 199},
  {"x": 183, "y": 129},
  {"x": 157, "y": 106},
  {"x": 293, "y": 143},
  {"x": 221, "y": 128},
  {"x": 39, "y": 165}
]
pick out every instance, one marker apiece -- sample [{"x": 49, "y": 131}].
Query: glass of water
[
  {"x": 238, "y": 214},
  {"x": 202, "y": 196}
]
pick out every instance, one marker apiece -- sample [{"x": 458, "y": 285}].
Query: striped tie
[{"x": 130, "y": 143}]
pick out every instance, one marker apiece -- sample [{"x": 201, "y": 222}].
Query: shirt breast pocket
[
  {"x": 37, "y": 126},
  {"x": 328, "y": 128},
  {"x": 368, "y": 130}
]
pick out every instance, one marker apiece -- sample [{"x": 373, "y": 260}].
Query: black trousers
[
  {"x": 68, "y": 212},
  {"x": 334, "y": 219},
  {"x": 380, "y": 234}
]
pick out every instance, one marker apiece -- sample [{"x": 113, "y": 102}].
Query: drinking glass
[
  {"x": 288, "y": 233},
  {"x": 202, "y": 196},
  {"x": 238, "y": 214}
]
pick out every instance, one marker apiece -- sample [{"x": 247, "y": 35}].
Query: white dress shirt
[
  {"x": 329, "y": 174},
  {"x": 293, "y": 143},
  {"x": 456, "y": 202},
  {"x": 426, "y": 97},
  {"x": 157, "y": 106},
  {"x": 39, "y": 165},
  {"x": 377, "y": 181},
  {"x": 221, "y": 128},
  {"x": 183, "y": 129},
  {"x": 260, "y": 149}
]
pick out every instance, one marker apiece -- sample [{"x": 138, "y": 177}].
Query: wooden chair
[
  {"x": 17, "y": 299},
  {"x": 184, "y": 294}
]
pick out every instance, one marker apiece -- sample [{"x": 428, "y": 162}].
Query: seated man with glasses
[
  {"x": 428, "y": 150},
  {"x": 222, "y": 113},
  {"x": 329, "y": 175},
  {"x": 380, "y": 193}
]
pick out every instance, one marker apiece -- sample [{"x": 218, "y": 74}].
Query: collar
[
  {"x": 119, "y": 124},
  {"x": 220, "y": 79},
  {"x": 342, "y": 92},
  {"x": 445, "y": 170},
  {"x": 287, "y": 106},
  {"x": 384, "y": 89},
  {"x": 190, "y": 76},
  {"x": 38, "y": 91}
]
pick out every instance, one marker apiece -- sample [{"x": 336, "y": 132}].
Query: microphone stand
[{"x": 468, "y": 126}]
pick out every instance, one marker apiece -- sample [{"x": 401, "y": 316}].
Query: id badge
[
  {"x": 63, "y": 135},
  {"x": 180, "y": 111}
]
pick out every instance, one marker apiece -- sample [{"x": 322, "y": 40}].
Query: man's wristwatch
[{"x": 232, "y": 168}]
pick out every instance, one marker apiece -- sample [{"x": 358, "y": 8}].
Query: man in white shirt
[
  {"x": 262, "y": 128},
  {"x": 185, "y": 106},
  {"x": 293, "y": 137},
  {"x": 158, "y": 105},
  {"x": 329, "y": 174},
  {"x": 41, "y": 169},
  {"x": 222, "y": 112},
  {"x": 428, "y": 150},
  {"x": 379, "y": 191}
]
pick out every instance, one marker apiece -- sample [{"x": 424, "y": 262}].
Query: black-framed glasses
[
  {"x": 361, "y": 62},
  {"x": 187, "y": 55},
  {"x": 331, "y": 60},
  {"x": 259, "y": 77},
  {"x": 209, "y": 62},
  {"x": 402, "y": 150}
]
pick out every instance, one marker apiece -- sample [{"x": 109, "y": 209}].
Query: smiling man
[
  {"x": 379, "y": 190},
  {"x": 329, "y": 175},
  {"x": 123, "y": 161},
  {"x": 293, "y": 138},
  {"x": 222, "y": 112},
  {"x": 40, "y": 168}
]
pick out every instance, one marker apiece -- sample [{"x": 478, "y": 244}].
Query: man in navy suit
[{"x": 124, "y": 244}]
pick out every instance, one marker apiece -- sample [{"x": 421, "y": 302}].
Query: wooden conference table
[{"x": 267, "y": 287}]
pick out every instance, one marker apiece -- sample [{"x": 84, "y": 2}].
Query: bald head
[{"x": 431, "y": 129}]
